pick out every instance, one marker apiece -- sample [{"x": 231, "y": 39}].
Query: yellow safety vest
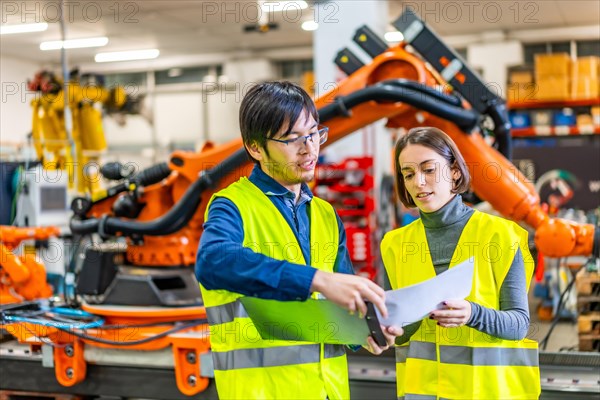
[
  {"x": 461, "y": 362},
  {"x": 246, "y": 366}
]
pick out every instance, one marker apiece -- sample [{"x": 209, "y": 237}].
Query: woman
[{"x": 472, "y": 348}]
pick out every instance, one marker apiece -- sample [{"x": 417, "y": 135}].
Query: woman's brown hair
[{"x": 439, "y": 142}]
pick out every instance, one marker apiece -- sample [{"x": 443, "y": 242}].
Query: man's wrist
[{"x": 318, "y": 282}]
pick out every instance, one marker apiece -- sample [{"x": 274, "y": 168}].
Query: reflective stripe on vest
[
  {"x": 420, "y": 350},
  {"x": 469, "y": 355},
  {"x": 225, "y": 313},
  {"x": 401, "y": 354},
  {"x": 489, "y": 356},
  {"x": 274, "y": 356},
  {"x": 228, "y": 312}
]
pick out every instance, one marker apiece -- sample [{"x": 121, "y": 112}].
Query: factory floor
[{"x": 564, "y": 335}]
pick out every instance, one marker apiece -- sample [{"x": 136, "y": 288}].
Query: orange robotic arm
[
  {"x": 11, "y": 236},
  {"x": 396, "y": 85},
  {"x": 22, "y": 277},
  {"x": 494, "y": 178}
]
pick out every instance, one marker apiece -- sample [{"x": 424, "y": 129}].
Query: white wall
[
  {"x": 132, "y": 130},
  {"x": 185, "y": 117},
  {"x": 222, "y": 103},
  {"x": 493, "y": 58},
  {"x": 248, "y": 71},
  {"x": 178, "y": 118},
  {"x": 15, "y": 109},
  {"x": 222, "y": 109}
]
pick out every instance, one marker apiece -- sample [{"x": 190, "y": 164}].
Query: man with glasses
[{"x": 267, "y": 236}]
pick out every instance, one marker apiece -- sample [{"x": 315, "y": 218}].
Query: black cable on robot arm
[
  {"x": 172, "y": 221},
  {"x": 407, "y": 84},
  {"x": 45, "y": 317},
  {"x": 465, "y": 119},
  {"x": 498, "y": 112},
  {"x": 151, "y": 324},
  {"x": 135, "y": 342}
]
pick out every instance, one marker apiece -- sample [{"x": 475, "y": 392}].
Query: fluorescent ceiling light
[
  {"x": 23, "y": 28},
  {"x": 310, "y": 26},
  {"x": 74, "y": 43},
  {"x": 394, "y": 36},
  {"x": 127, "y": 55},
  {"x": 277, "y": 6}
]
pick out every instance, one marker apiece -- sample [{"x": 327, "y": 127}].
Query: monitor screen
[{"x": 53, "y": 198}]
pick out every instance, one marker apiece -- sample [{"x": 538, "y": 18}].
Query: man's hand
[
  {"x": 455, "y": 313},
  {"x": 390, "y": 334},
  {"x": 349, "y": 291}
]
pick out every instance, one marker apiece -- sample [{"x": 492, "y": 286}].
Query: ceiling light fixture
[
  {"x": 74, "y": 43},
  {"x": 394, "y": 36},
  {"x": 277, "y": 6},
  {"x": 310, "y": 25},
  {"x": 127, "y": 55},
  {"x": 23, "y": 28}
]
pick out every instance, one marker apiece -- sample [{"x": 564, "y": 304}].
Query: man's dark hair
[
  {"x": 442, "y": 144},
  {"x": 269, "y": 107}
]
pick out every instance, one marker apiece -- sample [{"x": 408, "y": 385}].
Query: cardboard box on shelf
[
  {"x": 541, "y": 118},
  {"x": 587, "y": 66},
  {"x": 552, "y": 65},
  {"x": 585, "y": 78},
  {"x": 518, "y": 92},
  {"x": 585, "y": 88},
  {"x": 552, "y": 88},
  {"x": 522, "y": 77},
  {"x": 584, "y": 120}
]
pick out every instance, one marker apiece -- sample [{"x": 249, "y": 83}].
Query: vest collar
[{"x": 271, "y": 187}]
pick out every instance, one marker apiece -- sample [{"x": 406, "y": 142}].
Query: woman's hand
[
  {"x": 455, "y": 313},
  {"x": 390, "y": 334}
]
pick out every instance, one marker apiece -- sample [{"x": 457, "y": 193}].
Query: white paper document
[{"x": 413, "y": 303}]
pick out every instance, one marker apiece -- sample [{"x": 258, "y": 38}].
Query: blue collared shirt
[{"x": 223, "y": 263}]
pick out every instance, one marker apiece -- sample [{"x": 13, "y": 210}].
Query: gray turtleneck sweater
[{"x": 443, "y": 229}]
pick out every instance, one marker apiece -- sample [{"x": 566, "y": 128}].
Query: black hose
[
  {"x": 561, "y": 303},
  {"x": 152, "y": 175},
  {"x": 172, "y": 221},
  {"x": 422, "y": 88},
  {"x": 464, "y": 119},
  {"x": 497, "y": 111},
  {"x": 417, "y": 95},
  {"x": 115, "y": 171}
]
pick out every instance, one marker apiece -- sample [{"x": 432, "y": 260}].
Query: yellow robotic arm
[{"x": 53, "y": 147}]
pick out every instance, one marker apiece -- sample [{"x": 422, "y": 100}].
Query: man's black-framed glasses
[{"x": 301, "y": 140}]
